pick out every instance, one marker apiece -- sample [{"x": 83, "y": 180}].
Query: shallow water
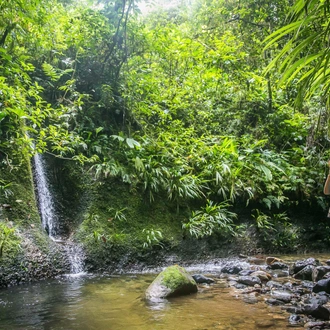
[{"x": 114, "y": 303}]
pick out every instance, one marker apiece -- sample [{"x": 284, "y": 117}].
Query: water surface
[{"x": 114, "y": 303}]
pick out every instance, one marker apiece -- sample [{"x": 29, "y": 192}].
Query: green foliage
[
  {"x": 303, "y": 60},
  {"x": 4, "y": 188},
  {"x": 9, "y": 242},
  {"x": 174, "y": 105},
  {"x": 277, "y": 231},
  {"x": 263, "y": 221},
  {"x": 210, "y": 219},
  {"x": 152, "y": 238}
]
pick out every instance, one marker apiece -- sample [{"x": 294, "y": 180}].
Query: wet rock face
[
  {"x": 32, "y": 265},
  {"x": 171, "y": 282}
]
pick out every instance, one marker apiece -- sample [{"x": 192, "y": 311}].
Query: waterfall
[
  {"x": 50, "y": 221},
  {"x": 75, "y": 256},
  {"x": 45, "y": 199}
]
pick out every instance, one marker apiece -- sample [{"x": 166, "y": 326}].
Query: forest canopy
[{"x": 211, "y": 104}]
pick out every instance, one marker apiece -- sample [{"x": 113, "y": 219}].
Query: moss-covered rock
[{"x": 171, "y": 282}]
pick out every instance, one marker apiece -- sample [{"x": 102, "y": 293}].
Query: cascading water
[
  {"x": 75, "y": 256},
  {"x": 45, "y": 199},
  {"x": 50, "y": 220}
]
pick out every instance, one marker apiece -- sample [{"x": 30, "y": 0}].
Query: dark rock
[
  {"x": 171, "y": 282},
  {"x": 231, "y": 269},
  {"x": 328, "y": 262},
  {"x": 249, "y": 280},
  {"x": 305, "y": 273},
  {"x": 240, "y": 286},
  {"x": 300, "y": 264},
  {"x": 319, "y": 272},
  {"x": 278, "y": 265},
  {"x": 322, "y": 285},
  {"x": 318, "y": 311},
  {"x": 202, "y": 279}
]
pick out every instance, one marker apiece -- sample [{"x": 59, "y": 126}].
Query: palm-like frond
[{"x": 306, "y": 55}]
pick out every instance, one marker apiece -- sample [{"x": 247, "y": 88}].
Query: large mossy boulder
[{"x": 172, "y": 282}]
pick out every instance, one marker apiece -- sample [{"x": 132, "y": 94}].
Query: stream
[{"x": 87, "y": 301}]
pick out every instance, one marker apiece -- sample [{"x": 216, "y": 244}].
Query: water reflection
[{"x": 157, "y": 304}]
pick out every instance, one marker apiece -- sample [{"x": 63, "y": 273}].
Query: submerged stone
[{"x": 171, "y": 282}]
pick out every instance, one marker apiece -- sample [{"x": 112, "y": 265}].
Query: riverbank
[{"x": 89, "y": 300}]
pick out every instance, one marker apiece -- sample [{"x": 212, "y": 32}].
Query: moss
[
  {"x": 21, "y": 204},
  {"x": 106, "y": 235},
  {"x": 175, "y": 276},
  {"x": 9, "y": 241}
]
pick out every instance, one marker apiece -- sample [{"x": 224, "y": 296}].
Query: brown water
[{"x": 114, "y": 303}]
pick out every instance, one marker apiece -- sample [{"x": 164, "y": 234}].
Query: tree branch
[{"x": 9, "y": 28}]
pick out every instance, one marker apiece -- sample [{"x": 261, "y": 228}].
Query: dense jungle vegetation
[{"x": 217, "y": 108}]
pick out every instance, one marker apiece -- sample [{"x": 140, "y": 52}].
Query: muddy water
[{"x": 114, "y": 303}]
